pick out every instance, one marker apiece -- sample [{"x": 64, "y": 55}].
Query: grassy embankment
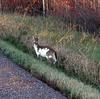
[
  {"x": 49, "y": 74},
  {"x": 78, "y": 52}
]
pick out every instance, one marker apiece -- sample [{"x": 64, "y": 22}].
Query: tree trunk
[{"x": 44, "y": 8}]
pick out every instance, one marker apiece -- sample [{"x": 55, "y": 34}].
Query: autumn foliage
[
  {"x": 82, "y": 13},
  {"x": 19, "y": 5}
]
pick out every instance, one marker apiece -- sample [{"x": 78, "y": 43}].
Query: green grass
[
  {"x": 89, "y": 49},
  {"x": 15, "y": 29},
  {"x": 16, "y": 43},
  {"x": 53, "y": 31},
  {"x": 56, "y": 30},
  {"x": 50, "y": 74}
]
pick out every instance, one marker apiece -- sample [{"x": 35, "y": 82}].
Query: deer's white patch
[
  {"x": 50, "y": 56},
  {"x": 41, "y": 51},
  {"x": 36, "y": 50}
]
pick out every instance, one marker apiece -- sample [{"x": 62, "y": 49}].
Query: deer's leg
[
  {"x": 47, "y": 59},
  {"x": 54, "y": 62},
  {"x": 39, "y": 57},
  {"x": 50, "y": 60}
]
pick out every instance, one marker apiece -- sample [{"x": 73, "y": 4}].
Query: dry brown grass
[{"x": 73, "y": 63}]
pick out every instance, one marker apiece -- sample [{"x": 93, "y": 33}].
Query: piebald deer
[{"x": 44, "y": 51}]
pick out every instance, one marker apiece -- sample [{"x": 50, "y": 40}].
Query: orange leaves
[{"x": 68, "y": 4}]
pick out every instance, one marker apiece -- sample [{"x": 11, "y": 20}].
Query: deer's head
[{"x": 34, "y": 39}]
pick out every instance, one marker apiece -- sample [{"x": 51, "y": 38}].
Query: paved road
[{"x": 16, "y": 83}]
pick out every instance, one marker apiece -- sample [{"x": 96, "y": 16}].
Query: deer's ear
[{"x": 33, "y": 37}]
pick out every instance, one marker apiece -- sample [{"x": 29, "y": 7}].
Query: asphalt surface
[{"x": 16, "y": 83}]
